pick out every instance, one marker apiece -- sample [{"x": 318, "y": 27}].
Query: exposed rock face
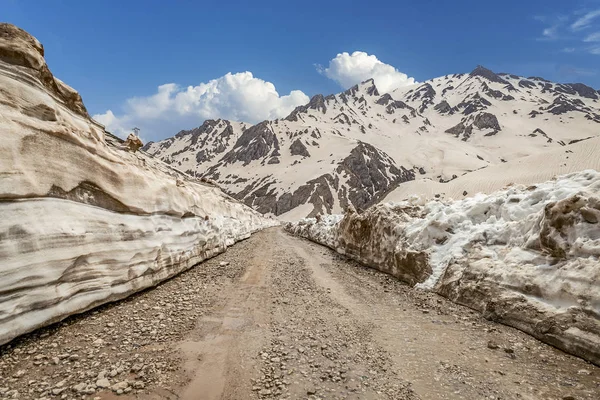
[
  {"x": 579, "y": 88},
  {"x": 385, "y": 99},
  {"x": 372, "y": 174},
  {"x": 85, "y": 221},
  {"x": 425, "y": 93},
  {"x": 480, "y": 121},
  {"x": 443, "y": 107},
  {"x": 487, "y": 74},
  {"x": 204, "y": 144},
  {"x": 543, "y": 134},
  {"x": 297, "y": 148},
  {"x": 526, "y": 257},
  {"x": 473, "y": 103},
  {"x": 524, "y": 83},
  {"x": 563, "y": 105},
  {"x": 461, "y": 129},
  {"x": 369, "y": 174},
  {"x": 397, "y": 105},
  {"x": 319, "y": 192},
  {"x": 255, "y": 143},
  {"x": 537, "y": 78},
  {"x": 486, "y": 121},
  {"x": 317, "y": 102}
]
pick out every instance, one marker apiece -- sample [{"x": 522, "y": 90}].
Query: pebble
[{"x": 492, "y": 345}]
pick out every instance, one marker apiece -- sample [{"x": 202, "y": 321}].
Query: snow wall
[
  {"x": 84, "y": 221},
  {"x": 527, "y": 257}
]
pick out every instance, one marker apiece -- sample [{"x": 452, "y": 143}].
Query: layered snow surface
[
  {"x": 85, "y": 221},
  {"x": 527, "y": 256}
]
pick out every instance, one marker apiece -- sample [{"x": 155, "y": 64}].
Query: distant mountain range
[{"x": 356, "y": 146}]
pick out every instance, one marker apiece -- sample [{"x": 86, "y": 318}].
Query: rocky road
[{"x": 280, "y": 317}]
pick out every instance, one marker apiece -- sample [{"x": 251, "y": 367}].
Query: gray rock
[
  {"x": 443, "y": 107},
  {"x": 255, "y": 143},
  {"x": 493, "y": 345},
  {"x": 297, "y": 148},
  {"x": 317, "y": 102},
  {"x": 103, "y": 383},
  {"x": 486, "y": 121},
  {"x": 524, "y": 83},
  {"x": 487, "y": 74},
  {"x": 119, "y": 386}
]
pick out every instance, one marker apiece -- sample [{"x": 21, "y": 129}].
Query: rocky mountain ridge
[{"x": 356, "y": 146}]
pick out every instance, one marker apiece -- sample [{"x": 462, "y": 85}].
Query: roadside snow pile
[
  {"x": 525, "y": 256},
  {"x": 84, "y": 220}
]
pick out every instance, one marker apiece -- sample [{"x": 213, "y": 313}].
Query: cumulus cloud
[
  {"x": 239, "y": 97},
  {"x": 349, "y": 69}
]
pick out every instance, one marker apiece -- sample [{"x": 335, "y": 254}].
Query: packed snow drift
[
  {"x": 85, "y": 218},
  {"x": 526, "y": 256}
]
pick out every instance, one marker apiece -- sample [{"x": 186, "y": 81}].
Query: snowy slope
[
  {"x": 527, "y": 170},
  {"x": 527, "y": 256},
  {"x": 84, "y": 221},
  {"x": 357, "y": 146}
]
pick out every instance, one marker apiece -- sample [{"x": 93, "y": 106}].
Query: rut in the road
[
  {"x": 319, "y": 347},
  {"x": 286, "y": 318}
]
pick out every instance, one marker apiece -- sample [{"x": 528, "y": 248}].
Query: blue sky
[{"x": 118, "y": 53}]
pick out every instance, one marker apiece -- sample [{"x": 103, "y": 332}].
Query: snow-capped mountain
[{"x": 356, "y": 146}]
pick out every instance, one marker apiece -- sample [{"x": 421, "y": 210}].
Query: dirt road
[{"x": 280, "y": 317}]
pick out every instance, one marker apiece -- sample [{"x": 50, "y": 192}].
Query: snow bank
[
  {"x": 526, "y": 256},
  {"x": 84, "y": 221}
]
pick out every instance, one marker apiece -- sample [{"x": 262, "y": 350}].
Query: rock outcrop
[
  {"x": 487, "y": 74},
  {"x": 297, "y": 148}
]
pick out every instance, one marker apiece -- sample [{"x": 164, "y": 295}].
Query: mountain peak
[
  {"x": 487, "y": 74},
  {"x": 370, "y": 87}
]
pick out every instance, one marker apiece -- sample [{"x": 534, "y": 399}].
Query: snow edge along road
[{"x": 526, "y": 257}]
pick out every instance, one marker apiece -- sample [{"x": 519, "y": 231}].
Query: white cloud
[
  {"x": 594, "y": 37},
  {"x": 595, "y": 50},
  {"x": 550, "y": 33},
  {"x": 585, "y": 20},
  {"x": 350, "y": 69},
  {"x": 568, "y": 50},
  {"x": 239, "y": 96}
]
